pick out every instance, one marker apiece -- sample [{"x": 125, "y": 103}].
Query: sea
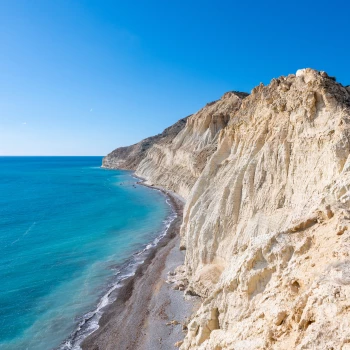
[{"x": 70, "y": 232}]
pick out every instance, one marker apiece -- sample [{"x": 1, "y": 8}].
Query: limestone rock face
[
  {"x": 266, "y": 226},
  {"x": 267, "y": 218},
  {"x": 177, "y": 164},
  {"x": 128, "y": 158}
]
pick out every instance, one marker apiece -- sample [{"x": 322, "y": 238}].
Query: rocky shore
[{"x": 149, "y": 312}]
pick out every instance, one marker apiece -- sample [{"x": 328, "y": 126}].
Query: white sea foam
[{"x": 24, "y": 234}]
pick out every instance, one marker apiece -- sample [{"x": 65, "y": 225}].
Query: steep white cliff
[
  {"x": 266, "y": 224},
  {"x": 177, "y": 164},
  {"x": 267, "y": 219},
  {"x": 129, "y": 157}
]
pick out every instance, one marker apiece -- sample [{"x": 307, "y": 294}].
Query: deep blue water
[{"x": 65, "y": 224}]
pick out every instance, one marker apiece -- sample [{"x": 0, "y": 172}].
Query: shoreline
[
  {"x": 130, "y": 321},
  {"x": 170, "y": 194}
]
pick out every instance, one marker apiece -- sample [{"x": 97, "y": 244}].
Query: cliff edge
[
  {"x": 266, "y": 224},
  {"x": 175, "y": 158},
  {"x": 129, "y": 157}
]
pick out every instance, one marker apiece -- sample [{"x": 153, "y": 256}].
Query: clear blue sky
[{"x": 84, "y": 77}]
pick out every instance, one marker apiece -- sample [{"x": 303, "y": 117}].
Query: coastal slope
[
  {"x": 265, "y": 226},
  {"x": 175, "y": 158},
  {"x": 129, "y": 157},
  {"x": 177, "y": 165}
]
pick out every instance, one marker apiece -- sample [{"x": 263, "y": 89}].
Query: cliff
[
  {"x": 129, "y": 157},
  {"x": 178, "y": 164},
  {"x": 175, "y": 158},
  {"x": 266, "y": 220}
]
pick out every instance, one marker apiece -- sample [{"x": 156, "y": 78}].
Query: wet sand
[{"x": 138, "y": 319}]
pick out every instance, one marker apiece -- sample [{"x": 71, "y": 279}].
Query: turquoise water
[{"x": 66, "y": 226}]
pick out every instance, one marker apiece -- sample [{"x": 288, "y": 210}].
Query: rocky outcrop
[
  {"x": 129, "y": 157},
  {"x": 267, "y": 220},
  {"x": 266, "y": 224},
  {"x": 178, "y": 164},
  {"x": 176, "y": 158}
]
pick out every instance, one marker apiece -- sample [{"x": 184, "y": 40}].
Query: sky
[{"x": 83, "y": 77}]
